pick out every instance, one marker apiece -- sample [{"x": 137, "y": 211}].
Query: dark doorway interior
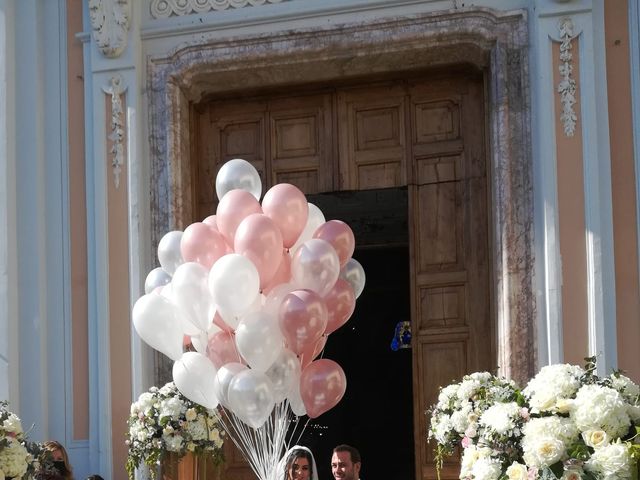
[{"x": 376, "y": 413}]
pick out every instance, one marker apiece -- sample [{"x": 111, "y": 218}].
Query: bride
[{"x": 297, "y": 464}]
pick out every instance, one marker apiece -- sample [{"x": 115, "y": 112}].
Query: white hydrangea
[
  {"x": 623, "y": 384},
  {"x": 486, "y": 468},
  {"x": 171, "y": 407},
  {"x": 460, "y": 419},
  {"x": 12, "y": 424},
  {"x": 501, "y": 417},
  {"x": 173, "y": 442},
  {"x": 552, "y": 384},
  {"x": 612, "y": 462},
  {"x": 447, "y": 395},
  {"x": 197, "y": 428},
  {"x": 470, "y": 456},
  {"x": 440, "y": 427},
  {"x": 13, "y": 459},
  {"x": 468, "y": 388},
  {"x": 601, "y": 408}
]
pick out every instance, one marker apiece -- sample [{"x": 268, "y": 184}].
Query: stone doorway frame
[{"x": 494, "y": 41}]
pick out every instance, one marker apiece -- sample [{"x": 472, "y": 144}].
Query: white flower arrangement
[
  {"x": 19, "y": 458},
  {"x": 163, "y": 420},
  {"x": 566, "y": 424}
]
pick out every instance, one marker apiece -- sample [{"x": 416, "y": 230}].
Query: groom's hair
[{"x": 355, "y": 454}]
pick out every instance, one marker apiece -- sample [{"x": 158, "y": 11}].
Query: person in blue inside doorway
[{"x": 346, "y": 463}]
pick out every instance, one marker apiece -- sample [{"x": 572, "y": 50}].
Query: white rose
[
  {"x": 543, "y": 452},
  {"x": 595, "y": 438},
  {"x": 572, "y": 474},
  {"x": 517, "y": 471},
  {"x": 191, "y": 414}
]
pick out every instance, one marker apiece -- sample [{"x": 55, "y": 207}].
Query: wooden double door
[{"x": 424, "y": 133}]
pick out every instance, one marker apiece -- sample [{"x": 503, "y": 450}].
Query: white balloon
[
  {"x": 223, "y": 379},
  {"x": 169, "y": 254},
  {"x": 193, "y": 375},
  {"x": 259, "y": 339},
  {"x": 156, "y": 321},
  {"x": 314, "y": 220},
  {"x": 315, "y": 266},
  {"x": 190, "y": 292},
  {"x": 234, "y": 283},
  {"x": 156, "y": 278},
  {"x": 251, "y": 397},
  {"x": 283, "y": 373},
  {"x": 295, "y": 399},
  {"x": 199, "y": 342},
  {"x": 353, "y": 273},
  {"x": 238, "y": 174}
]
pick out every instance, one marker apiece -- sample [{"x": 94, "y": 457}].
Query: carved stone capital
[{"x": 110, "y": 22}]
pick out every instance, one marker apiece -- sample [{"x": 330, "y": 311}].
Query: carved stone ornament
[
  {"x": 110, "y": 22},
  {"x": 567, "y": 85},
  {"x": 115, "y": 89},
  {"x": 168, "y": 8}
]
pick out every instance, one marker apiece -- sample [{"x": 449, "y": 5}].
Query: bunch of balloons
[{"x": 256, "y": 288}]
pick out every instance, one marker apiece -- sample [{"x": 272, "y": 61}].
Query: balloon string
[{"x": 262, "y": 447}]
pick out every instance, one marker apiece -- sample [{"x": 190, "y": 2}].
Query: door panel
[{"x": 372, "y": 125}]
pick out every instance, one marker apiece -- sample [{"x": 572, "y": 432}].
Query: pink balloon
[
  {"x": 259, "y": 239},
  {"x": 340, "y": 236},
  {"x": 234, "y": 207},
  {"x": 283, "y": 275},
  {"x": 211, "y": 221},
  {"x": 322, "y": 385},
  {"x": 201, "y": 243},
  {"x": 312, "y": 351},
  {"x": 341, "y": 302},
  {"x": 286, "y": 205},
  {"x": 303, "y": 319},
  {"x": 221, "y": 349}
]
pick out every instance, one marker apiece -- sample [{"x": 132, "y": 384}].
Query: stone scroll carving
[
  {"x": 110, "y": 21},
  {"x": 115, "y": 89},
  {"x": 168, "y": 8},
  {"x": 567, "y": 84}
]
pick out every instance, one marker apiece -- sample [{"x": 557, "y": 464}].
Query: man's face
[{"x": 343, "y": 468}]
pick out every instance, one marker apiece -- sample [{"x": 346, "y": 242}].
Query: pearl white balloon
[
  {"x": 251, "y": 397},
  {"x": 295, "y": 399},
  {"x": 283, "y": 373},
  {"x": 190, "y": 292},
  {"x": 193, "y": 375},
  {"x": 353, "y": 273},
  {"x": 259, "y": 339},
  {"x": 156, "y": 278},
  {"x": 314, "y": 220},
  {"x": 234, "y": 283},
  {"x": 238, "y": 174},
  {"x": 223, "y": 380},
  {"x": 156, "y": 320},
  {"x": 169, "y": 254}
]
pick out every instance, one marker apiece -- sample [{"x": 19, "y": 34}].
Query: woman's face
[
  {"x": 57, "y": 456},
  {"x": 300, "y": 469}
]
